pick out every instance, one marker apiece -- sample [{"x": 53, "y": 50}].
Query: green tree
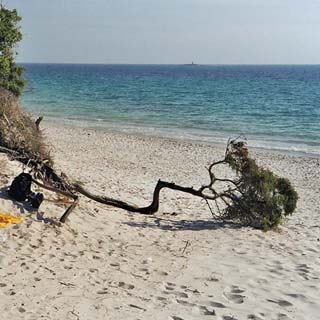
[{"x": 10, "y": 73}]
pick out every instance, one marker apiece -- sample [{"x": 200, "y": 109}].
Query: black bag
[
  {"x": 20, "y": 190},
  {"x": 21, "y": 187},
  {"x": 35, "y": 199}
]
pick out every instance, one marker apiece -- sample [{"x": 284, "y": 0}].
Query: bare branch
[{"x": 37, "y": 123}]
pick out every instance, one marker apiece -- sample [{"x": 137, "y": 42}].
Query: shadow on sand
[{"x": 169, "y": 224}]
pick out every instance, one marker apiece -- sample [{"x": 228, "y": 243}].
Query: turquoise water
[{"x": 275, "y": 107}]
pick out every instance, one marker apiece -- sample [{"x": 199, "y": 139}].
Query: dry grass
[
  {"x": 3, "y": 165},
  {"x": 18, "y": 131},
  {"x": 3, "y": 170}
]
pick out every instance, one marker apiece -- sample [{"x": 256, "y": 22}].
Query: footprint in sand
[
  {"x": 303, "y": 270},
  {"x": 170, "y": 288},
  {"x": 283, "y": 316},
  {"x": 233, "y": 295},
  {"x": 103, "y": 291},
  {"x": 163, "y": 299},
  {"x": 181, "y": 294},
  {"x": 281, "y": 303},
  {"x": 162, "y": 273},
  {"x": 234, "y": 298},
  {"x": 296, "y": 295},
  {"x": 237, "y": 290},
  {"x": 204, "y": 311},
  {"x": 185, "y": 303},
  {"x": 124, "y": 285},
  {"x": 115, "y": 265},
  {"x": 171, "y": 284},
  {"x": 197, "y": 309},
  {"x": 303, "y": 266},
  {"x": 254, "y": 317},
  {"x": 217, "y": 305}
]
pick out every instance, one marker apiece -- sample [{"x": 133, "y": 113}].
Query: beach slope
[{"x": 106, "y": 263}]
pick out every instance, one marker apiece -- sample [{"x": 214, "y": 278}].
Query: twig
[
  {"x": 185, "y": 247},
  {"x": 214, "y": 216},
  {"x": 218, "y": 208},
  {"x": 137, "y": 307},
  {"x": 37, "y": 123},
  {"x": 7, "y": 120},
  {"x": 67, "y": 284}
]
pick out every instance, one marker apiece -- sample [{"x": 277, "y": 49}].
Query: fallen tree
[{"x": 254, "y": 197}]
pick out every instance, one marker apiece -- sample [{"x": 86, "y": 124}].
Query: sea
[{"x": 273, "y": 106}]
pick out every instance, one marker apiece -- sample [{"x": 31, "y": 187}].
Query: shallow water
[{"x": 275, "y": 107}]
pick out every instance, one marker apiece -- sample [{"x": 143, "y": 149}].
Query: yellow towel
[{"x": 6, "y": 219}]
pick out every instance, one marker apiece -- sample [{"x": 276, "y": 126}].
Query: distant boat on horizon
[{"x": 191, "y": 64}]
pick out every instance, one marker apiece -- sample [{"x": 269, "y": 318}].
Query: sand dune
[{"x": 108, "y": 264}]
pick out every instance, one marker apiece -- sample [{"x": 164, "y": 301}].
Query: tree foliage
[
  {"x": 260, "y": 198},
  {"x": 10, "y": 34}
]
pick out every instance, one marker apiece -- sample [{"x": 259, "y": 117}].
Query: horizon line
[{"x": 174, "y": 64}]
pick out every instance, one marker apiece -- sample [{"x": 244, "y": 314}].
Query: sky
[{"x": 169, "y": 31}]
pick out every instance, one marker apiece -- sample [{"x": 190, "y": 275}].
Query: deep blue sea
[{"x": 276, "y": 107}]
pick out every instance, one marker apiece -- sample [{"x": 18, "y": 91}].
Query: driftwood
[{"x": 154, "y": 206}]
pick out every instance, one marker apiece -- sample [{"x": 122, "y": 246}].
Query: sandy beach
[{"x": 106, "y": 263}]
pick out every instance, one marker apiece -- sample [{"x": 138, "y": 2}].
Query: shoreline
[{"x": 134, "y": 131}]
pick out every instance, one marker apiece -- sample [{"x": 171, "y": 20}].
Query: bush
[
  {"x": 18, "y": 131},
  {"x": 261, "y": 198}
]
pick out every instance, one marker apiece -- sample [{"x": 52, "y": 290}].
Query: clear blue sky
[{"x": 170, "y": 31}]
